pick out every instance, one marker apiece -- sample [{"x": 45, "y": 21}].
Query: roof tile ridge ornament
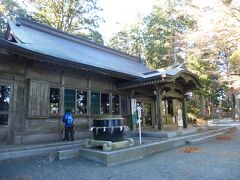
[
  {"x": 167, "y": 68},
  {"x": 50, "y": 30},
  {"x": 16, "y": 22},
  {"x": 183, "y": 66}
]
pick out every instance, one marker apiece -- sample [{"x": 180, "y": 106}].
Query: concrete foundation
[
  {"x": 138, "y": 152},
  {"x": 109, "y": 145}
]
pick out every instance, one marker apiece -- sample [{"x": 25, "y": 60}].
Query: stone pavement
[
  {"x": 217, "y": 159},
  {"x": 18, "y": 151}
]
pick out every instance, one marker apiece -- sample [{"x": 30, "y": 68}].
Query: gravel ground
[{"x": 216, "y": 160}]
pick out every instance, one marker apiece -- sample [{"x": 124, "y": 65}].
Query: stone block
[
  {"x": 69, "y": 153},
  {"x": 109, "y": 145}
]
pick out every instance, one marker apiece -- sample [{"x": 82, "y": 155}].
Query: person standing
[{"x": 68, "y": 120}]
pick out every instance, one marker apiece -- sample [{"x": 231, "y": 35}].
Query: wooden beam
[
  {"x": 144, "y": 91},
  {"x": 173, "y": 86},
  {"x": 173, "y": 95}
]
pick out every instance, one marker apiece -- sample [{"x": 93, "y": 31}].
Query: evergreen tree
[{"x": 9, "y": 9}]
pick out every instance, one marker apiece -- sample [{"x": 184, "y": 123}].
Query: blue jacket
[{"x": 65, "y": 119}]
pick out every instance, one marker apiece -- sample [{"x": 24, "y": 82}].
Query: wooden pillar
[
  {"x": 184, "y": 113},
  {"x": 129, "y": 111},
  {"x": 159, "y": 110},
  {"x": 11, "y": 114},
  {"x": 89, "y": 87},
  {"x": 110, "y": 102},
  {"x": 62, "y": 110}
]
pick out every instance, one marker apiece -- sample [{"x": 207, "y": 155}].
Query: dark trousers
[{"x": 69, "y": 131}]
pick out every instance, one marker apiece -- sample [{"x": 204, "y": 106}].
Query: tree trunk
[{"x": 202, "y": 107}]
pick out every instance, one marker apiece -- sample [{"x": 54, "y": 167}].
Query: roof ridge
[{"x": 50, "y": 30}]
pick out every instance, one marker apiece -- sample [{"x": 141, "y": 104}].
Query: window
[
  {"x": 115, "y": 104},
  {"x": 54, "y": 100},
  {"x": 81, "y": 102},
  {"x": 3, "y": 119},
  {"x": 69, "y": 100},
  {"x": 123, "y": 105},
  {"x": 4, "y": 104},
  {"x": 95, "y": 103},
  {"x": 104, "y": 103}
]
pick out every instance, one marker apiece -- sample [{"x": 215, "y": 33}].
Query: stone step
[
  {"x": 157, "y": 134},
  {"x": 38, "y": 150},
  {"x": 204, "y": 139},
  {"x": 68, "y": 153},
  {"x": 202, "y": 131},
  {"x": 210, "y": 132},
  {"x": 12, "y": 148}
]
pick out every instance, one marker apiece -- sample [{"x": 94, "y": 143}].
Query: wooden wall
[{"x": 30, "y": 81}]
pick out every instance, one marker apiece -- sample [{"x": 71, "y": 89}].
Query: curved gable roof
[
  {"x": 166, "y": 75},
  {"x": 38, "y": 38}
]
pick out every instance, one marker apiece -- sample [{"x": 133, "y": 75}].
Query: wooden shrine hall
[{"x": 44, "y": 71}]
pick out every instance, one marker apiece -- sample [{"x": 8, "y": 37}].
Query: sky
[{"x": 119, "y": 14}]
